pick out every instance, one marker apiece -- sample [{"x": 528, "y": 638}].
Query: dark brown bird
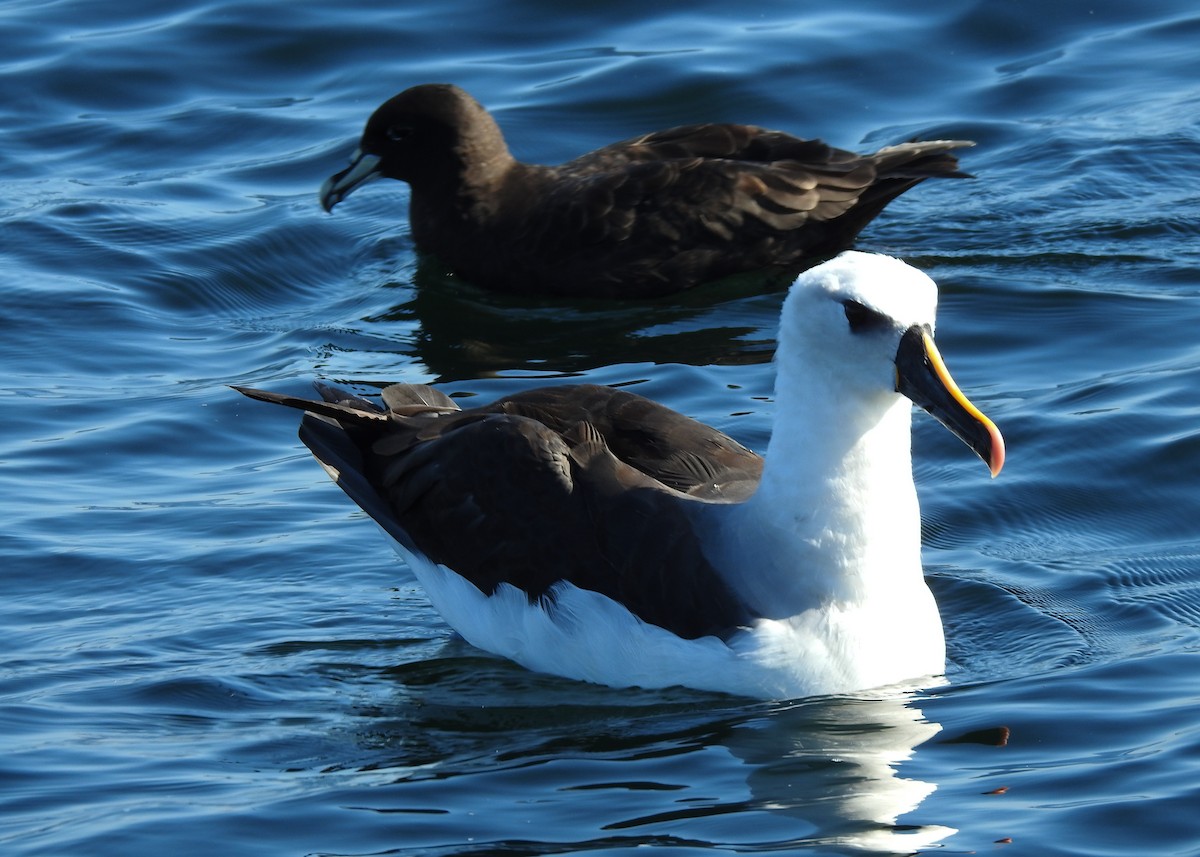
[{"x": 643, "y": 217}]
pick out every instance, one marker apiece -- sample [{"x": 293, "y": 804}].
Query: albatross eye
[{"x": 864, "y": 319}]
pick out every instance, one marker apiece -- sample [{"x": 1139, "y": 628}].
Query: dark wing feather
[
  {"x": 691, "y": 201},
  {"x": 713, "y": 140},
  {"x": 736, "y": 176},
  {"x": 527, "y": 491},
  {"x": 334, "y": 447},
  {"x": 660, "y": 212},
  {"x": 666, "y": 446}
]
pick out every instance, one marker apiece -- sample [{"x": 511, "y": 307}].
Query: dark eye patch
[
  {"x": 398, "y": 133},
  {"x": 864, "y": 319}
]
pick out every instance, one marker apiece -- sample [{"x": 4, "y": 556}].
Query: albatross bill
[
  {"x": 922, "y": 376},
  {"x": 592, "y": 533}
]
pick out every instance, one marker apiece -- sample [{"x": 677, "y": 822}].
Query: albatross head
[{"x": 865, "y": 323}]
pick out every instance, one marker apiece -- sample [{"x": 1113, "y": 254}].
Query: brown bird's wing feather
[
  {"x": 726, "y": 173},
  {"x": 656, "y": 213},
  {"x": 748, "y": 143}
]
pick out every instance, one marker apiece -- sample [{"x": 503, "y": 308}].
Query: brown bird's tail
[{"x": 903, "y": 166}]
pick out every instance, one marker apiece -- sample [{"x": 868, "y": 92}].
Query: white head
[
  {"x": 884, "y": 283},
  {"x": 860, "y": 328},
  {"x": 847, "y": 317}
]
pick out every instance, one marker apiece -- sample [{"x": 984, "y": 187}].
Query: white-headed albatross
[
  {"x": 647, "y": 216},
  {"x": 591, "y": 533}
]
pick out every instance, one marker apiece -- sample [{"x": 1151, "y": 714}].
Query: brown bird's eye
[{"x": 399, "y": 133}]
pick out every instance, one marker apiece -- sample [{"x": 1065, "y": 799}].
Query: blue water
[{"x": 206, "y": 649}]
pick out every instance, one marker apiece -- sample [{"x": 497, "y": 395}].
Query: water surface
[{"x": 208, "y": 649}]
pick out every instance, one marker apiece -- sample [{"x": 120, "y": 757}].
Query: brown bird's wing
[
  {"x": 748, "y": 143},
  {"x": 711, "y": 181},
  {"x": 656, "y": 213}
]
